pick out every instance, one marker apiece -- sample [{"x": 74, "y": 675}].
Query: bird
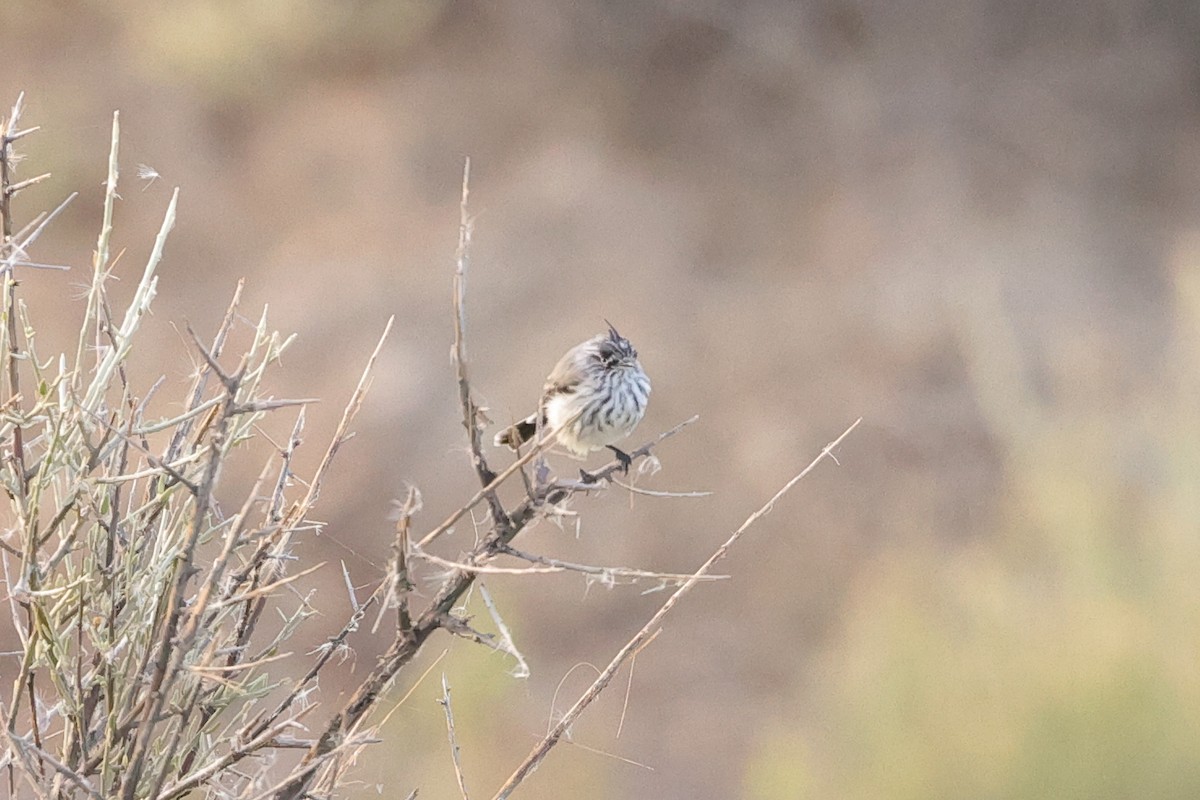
[{"x": 595, "y": 396}]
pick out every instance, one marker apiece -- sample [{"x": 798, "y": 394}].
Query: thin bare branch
[
  {"x": 348, "y": 415},
  {"x": 479, "y": 495},
  {"x": 398, "y": 581},
  {"x": 607, "y": 754},
  {"x": 22, "y": 248},
  {"x": 608, "y": 574},
  {"x": 483, "y": 568},
  {"x": 25, "y": 184},
  {"x": 506, "y": 640},
  {"x": 629, "y": 683},
  {"x": 470, "y": 410},
  {"x": 25, "y": 747},
  {"x": 264, "y": 590},
  {"x": 21, "y": 134},
  {"x": 543, "y": 747},
  {"x": 454, "y": 751},
  {"x": 657, "y": 493}
]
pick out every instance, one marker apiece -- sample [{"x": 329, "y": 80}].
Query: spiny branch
[
  {"x": 406, "y": 645},
  {"x": 633, "y": 645},
  {"x": 470, "y": 410}
]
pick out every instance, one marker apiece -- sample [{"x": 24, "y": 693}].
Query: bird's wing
[{"x": 565, "y": 377}]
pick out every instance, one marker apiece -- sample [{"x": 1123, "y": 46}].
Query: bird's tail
[{"x": 518, "y": 434}]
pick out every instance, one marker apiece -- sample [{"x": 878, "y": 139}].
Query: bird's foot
[{"x": 623, "y": 458}]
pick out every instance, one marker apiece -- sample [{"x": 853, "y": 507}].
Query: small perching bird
[{"x": 595, "y": 396}]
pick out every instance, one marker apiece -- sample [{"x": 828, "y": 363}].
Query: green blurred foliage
[
  {"x": 1056, "y": 656},
  {"x": 242, "y": 51}
]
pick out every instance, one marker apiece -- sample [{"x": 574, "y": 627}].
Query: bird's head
[{"x": 614, "y": 351}]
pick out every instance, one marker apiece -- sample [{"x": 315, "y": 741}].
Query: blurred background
[{"x": 975, "y": 224}]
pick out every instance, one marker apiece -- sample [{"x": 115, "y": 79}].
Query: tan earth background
[{"x": 975, "y": 224}]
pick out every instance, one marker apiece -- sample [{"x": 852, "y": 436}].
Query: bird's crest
[{"x": 612, "y": 332}]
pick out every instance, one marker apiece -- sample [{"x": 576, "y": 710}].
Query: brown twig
[
  {"x": 607, "y": 574},
  {"x": 470, "y": 410},
  {"x": 454, "y": 750},
  {"x": 398, "y": 581}
]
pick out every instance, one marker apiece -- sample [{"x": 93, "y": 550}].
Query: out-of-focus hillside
[{"x": 972, "y": 223}]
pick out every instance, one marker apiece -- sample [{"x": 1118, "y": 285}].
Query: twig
[
  {"x": 139, "y": 306},
  {"x": 259, "y": 591},
  {"x": 349, "y": 587},
  {"x": 351, "y": 410},
  {"x": 629, "y": 684},
  {"x": 652, "y": 493},
  {"x": 551, "y": 566},
  {"x": 458, "y": 626},
  {"x": 22, "y": 746},
  {"x": 200, "y": 382},
  {"x": 543, "y": 747},
  {"x": 23, "y": 247},
  {"x": 454, "y": 752},
  {"x": 550, "y": 718},
  {"x": 399, "y": 584},
  {"x": 610, "y": 469},
  {"x": 416, "y": 684},
  {"x": 157, "y": 467},
  {"x": 506, "y": 640},
  {"x": 479, "y": 495},
  {"x": 607, "y": 573},
  {"x": 481, "y": 569},
  {"x": 607, "y": 754},
  {"x": 470, "y": 411}
]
